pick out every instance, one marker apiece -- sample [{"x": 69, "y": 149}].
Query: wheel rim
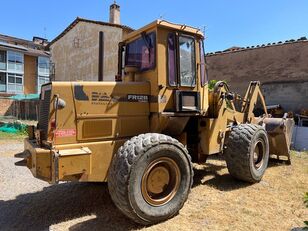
[
  {"x": 160, "y": 181},
  {"x": 258, "y": 154}
]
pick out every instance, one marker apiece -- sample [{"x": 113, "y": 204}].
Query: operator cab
[{"x": 171, "y": 58}]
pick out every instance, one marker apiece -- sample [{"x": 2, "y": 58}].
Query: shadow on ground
[
  {"x": 210, "y": 175},
  {"x": 224, "y": 182},
  {"x": 63, "y": 202}
]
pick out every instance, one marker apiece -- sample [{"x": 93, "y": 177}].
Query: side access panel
[
  {"x": 87, "y": 162},
  {"x": 39, "y": 160}
]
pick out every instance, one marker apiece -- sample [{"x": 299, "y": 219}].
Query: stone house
[{"x": 88, "y": 50}]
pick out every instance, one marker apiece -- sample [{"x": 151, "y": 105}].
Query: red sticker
[{"x": 65, "y": 132}]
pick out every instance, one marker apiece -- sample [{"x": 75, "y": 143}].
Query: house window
[
  {"x": 2, "y": 60},
  {"x": 15, "y": 83},
  {"x": 43, "y": 66},
  {"x": 187, "y": 61},
  {"x": 42, "y": 80},
  {"x": 15, "y": 61},
  {"x": 2, "y": 81}
]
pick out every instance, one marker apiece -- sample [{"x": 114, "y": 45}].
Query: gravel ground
[{"x": 217, "y": 201}]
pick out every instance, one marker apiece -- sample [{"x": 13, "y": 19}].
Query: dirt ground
[{"x": 216, "y": 202}]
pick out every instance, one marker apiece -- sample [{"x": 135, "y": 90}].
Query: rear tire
[
  {"x": 247, "y": 152},
  {"x": 150, "y": 178}
]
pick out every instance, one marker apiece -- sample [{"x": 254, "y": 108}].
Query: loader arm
[
  {"x": 279, "y": 130},
  {"x": 252, "y": 95}
]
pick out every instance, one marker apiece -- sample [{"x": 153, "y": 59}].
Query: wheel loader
[{"x": 142, "y": 132}]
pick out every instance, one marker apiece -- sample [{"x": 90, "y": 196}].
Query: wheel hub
[
  {"x": 160, "y": 181},
  {"x": 258, "y": 154}
]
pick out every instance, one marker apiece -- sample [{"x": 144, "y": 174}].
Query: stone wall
[{"x": 76, "y": 54}]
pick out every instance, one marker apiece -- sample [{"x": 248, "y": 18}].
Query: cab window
[
  {"x": 181, "y": 60},
  {"x": 187, "y": 61},
  {"x": 140, "y": 53},
  {"x": 203, "y": 65},
  {"x": 172, "y": 74}
]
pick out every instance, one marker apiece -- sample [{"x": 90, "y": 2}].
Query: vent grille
[{"x": 44, "y": 113}]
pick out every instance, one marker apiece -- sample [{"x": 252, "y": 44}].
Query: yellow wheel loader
[{"x": 142, "y": 132}]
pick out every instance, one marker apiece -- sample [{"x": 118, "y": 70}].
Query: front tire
[
  {"x": 150, "y": 178},
  {"x": 247, "y": 152}
]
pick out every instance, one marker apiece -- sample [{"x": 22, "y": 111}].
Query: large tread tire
[
  {"x": 239, "y": 152},
  {"x": 126, "y": 168}
]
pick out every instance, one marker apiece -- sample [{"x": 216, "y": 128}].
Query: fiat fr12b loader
[{"x": 142, "y": 132}]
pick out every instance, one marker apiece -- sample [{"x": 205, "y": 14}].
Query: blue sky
[{"x": 227, "y": 22}]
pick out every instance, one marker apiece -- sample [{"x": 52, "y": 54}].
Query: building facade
[
  {"x": 282, "y": 69},
  {"x": 24, "y": 65},
  {"x": 87, "y": 50}
]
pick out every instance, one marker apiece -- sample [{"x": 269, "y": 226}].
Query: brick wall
[
  {"x": 285, "y": 62},
  {"x": 5, "y": 106},
  {"x": 288, "y": 61}
]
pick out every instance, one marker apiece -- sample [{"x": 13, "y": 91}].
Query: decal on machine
[
  {"x": 79, "y": 93},
  {"x": 65, "y": 133},
  {"x": 105, "y": 98},
  {"x": 138, "y": 98},
  {"x": 102, "y": 98}
]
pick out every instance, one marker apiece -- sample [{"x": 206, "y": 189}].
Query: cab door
[
  {"x": 182, "y": 72},
  {"x": 204, "y": 94}
]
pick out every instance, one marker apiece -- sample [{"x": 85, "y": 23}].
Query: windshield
[
  {"x": 141, "y": 52},
  {"x": 187, "y": 61}
]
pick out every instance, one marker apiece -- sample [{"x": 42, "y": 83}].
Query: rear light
[{"x": 53, "y": 124}]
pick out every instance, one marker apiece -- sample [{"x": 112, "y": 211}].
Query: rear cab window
[{"x": 140, "y": 53}]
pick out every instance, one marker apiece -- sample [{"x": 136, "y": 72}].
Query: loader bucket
[{"x": 279, "y": 132}]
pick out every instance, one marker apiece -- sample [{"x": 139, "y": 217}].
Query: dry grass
[{"x": 216, "y": 202}]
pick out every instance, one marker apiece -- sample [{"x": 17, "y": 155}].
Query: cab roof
[{"x": 165, "y": 24}]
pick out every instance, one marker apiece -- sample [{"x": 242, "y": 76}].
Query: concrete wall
[
  {"x": 292, "y": 96},
  {"x": 283, "y": 62},
  {"x": 76, "y": 54}
]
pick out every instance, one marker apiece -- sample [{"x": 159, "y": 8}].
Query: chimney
[{"x": 114, "y": 16}]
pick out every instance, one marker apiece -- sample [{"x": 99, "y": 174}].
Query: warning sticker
[{"x": 65, "y": 132}]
